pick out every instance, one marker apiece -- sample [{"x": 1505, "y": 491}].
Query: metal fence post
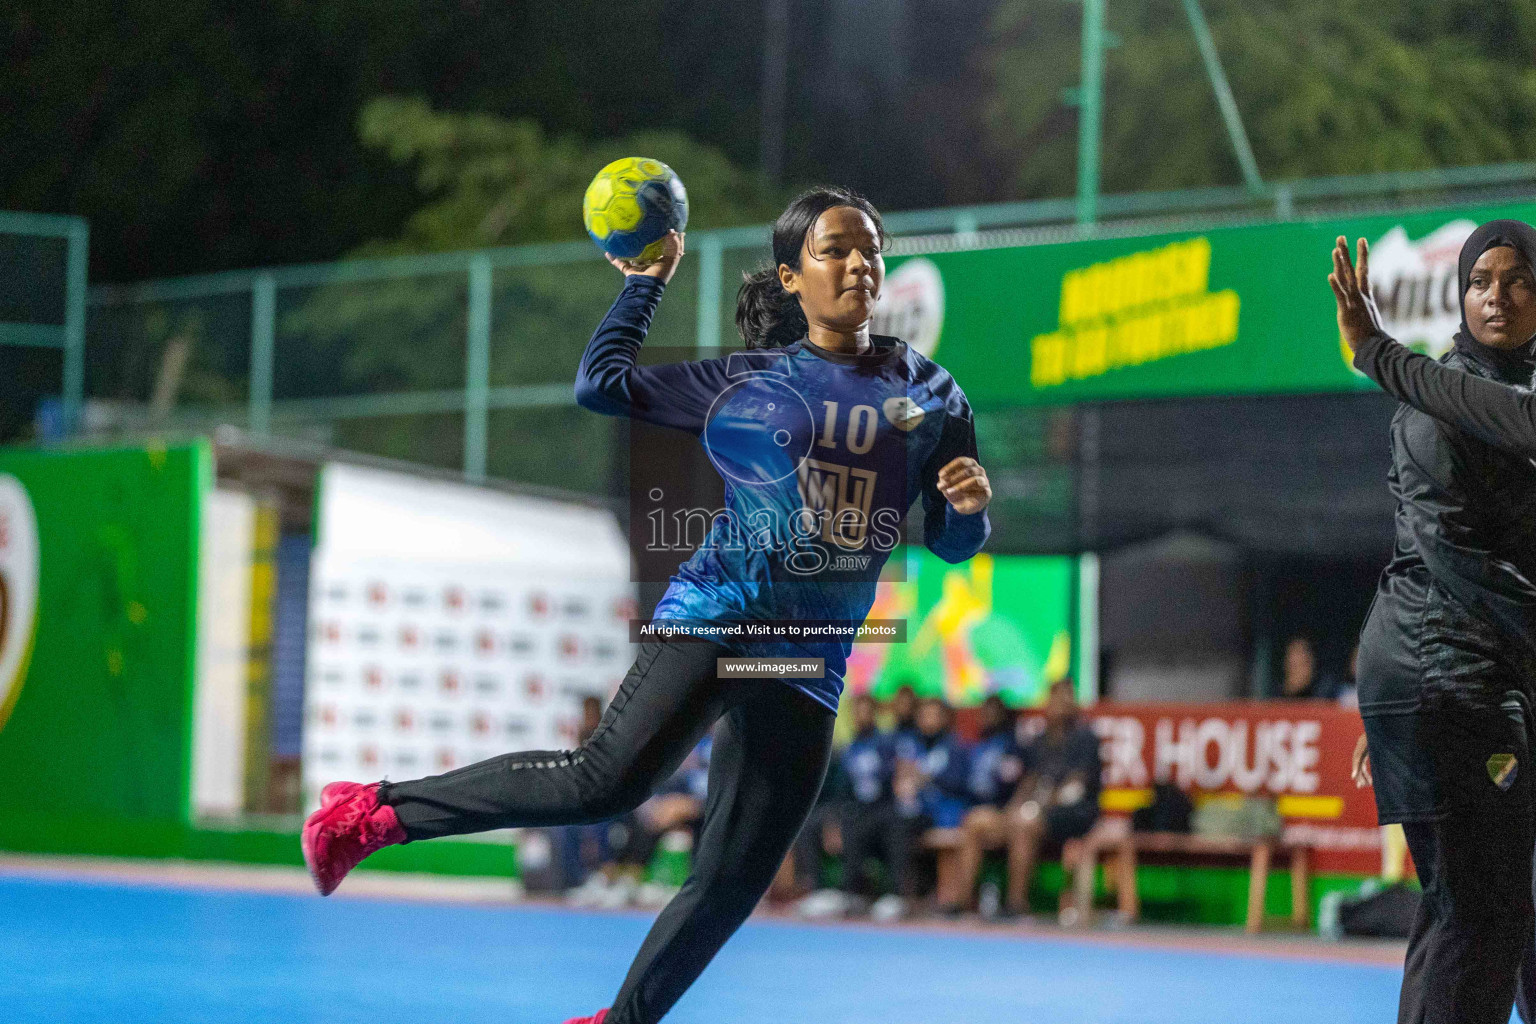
[
  {"x": 1088, "y": 682},
  {"x": 1285, "y": 203},
  {"x": 708, "y": 313},
  {"x": 74, "y": 324},
  {"x": 477, "y": 369},
  {"x": 1090, "y": 107},
  {"x": 263, "y": 341},
  {"x": 966, "y": 227}
]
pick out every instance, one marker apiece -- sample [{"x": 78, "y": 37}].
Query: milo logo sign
[
  {"x": 1416, "y": 287},
  {"x": 911, "y": 306},
  {"x": 18, "y": 589}
]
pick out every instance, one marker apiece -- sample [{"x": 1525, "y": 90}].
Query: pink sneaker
[
  {"x": 350, "y": 824},
  {"x": 596, "y": 1018}
]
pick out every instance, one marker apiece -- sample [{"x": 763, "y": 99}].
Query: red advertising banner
[{"x": 1296, "y": 752}]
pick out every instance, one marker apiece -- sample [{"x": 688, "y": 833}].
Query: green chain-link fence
[
  {"x": 42, "y": 295},
  {"x": 465, "y": 360}
]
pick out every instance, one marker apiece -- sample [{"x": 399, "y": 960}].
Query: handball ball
[{"x": 631, "y": 205}]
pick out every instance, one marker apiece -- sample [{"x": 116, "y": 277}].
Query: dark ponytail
[{"x": 766, "y": 315}]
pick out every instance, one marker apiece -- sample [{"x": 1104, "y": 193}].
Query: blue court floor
[{"x": 92, "y": 951}]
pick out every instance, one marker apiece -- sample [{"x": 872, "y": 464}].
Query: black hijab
[{"x": 1513, "y": 364}]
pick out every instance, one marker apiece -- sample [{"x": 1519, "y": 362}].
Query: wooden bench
[
  {"x": 944, "y": 842},
  {"x": 1113, "y": 839}
]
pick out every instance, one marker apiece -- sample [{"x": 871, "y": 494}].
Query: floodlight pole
[
  {"x": 1090, "y": 110},
  {"x": 1229, "y": 113}
]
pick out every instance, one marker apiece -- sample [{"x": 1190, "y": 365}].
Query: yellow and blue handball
[{"x": 631, "y": 205}]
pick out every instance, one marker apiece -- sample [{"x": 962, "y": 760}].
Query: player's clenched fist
[{"x": 964, "y": 485}]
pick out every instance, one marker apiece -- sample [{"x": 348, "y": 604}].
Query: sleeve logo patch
[{"x": 1502, "y": 769}]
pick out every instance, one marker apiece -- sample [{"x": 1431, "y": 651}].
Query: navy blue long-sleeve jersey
[{"x": 822, "y": 455}]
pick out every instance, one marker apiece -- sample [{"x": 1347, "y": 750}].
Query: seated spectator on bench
[
  {"x": 940, "y": 794},
  {"x": 820, "y": 837},
  {"x": 931, "y": 778},
  {"x": 1057, "y": 798},
  {"x": 869, "y": 823},
  {"x": 582, "y": 849},
  {"x": 996, "y": 765},
  {"x": 903, "y": 712},
  {"x": 678, "y": 806}
]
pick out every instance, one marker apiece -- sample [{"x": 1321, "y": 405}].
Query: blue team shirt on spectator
[
  {"x": 908, "y": 743},
  {"x": 995, "y": 767},
  {"x": 869, "y": 762},
  {"x": 854, "y": 439},
  {"x": 944, "y": 798}
]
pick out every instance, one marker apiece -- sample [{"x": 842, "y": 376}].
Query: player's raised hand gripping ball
[
  {"x": 663, "y": 266},
  {"x": 631, "y": 205}
]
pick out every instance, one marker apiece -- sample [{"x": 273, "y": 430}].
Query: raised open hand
[{"x": 1351, "y": 283}]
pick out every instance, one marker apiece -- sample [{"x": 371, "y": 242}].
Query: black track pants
[
  {"x": 1525, "y": 991},
  {"x": 1475, "y": 921},
  {"x": 770, "y": 755},
  {"x": 879, "y": 830}
]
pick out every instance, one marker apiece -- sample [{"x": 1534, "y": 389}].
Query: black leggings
[{"x": 770, "y": 756}]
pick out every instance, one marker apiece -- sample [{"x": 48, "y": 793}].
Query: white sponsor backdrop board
[
  {"x": 225, "y": 554},
  {"x": 450, "y": 623}
]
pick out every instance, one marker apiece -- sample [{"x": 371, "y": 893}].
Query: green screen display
[{"x": 994, "y": 624}]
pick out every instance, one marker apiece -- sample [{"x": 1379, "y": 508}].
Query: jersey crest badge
[
  {"x": 902, "y": 413},
  {"x": 1502, "y": 769}
]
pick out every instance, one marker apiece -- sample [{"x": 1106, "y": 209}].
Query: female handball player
[{"x": 825, "y": 435}]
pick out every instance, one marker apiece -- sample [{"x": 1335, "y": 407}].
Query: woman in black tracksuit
[{"x": 1448, "y": 650}]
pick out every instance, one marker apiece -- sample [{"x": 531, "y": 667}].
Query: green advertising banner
[
  {"x": 98, "y": 556},
  {"x": 1231, "y": 310},
  {"x": 994, "y": 624}
]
